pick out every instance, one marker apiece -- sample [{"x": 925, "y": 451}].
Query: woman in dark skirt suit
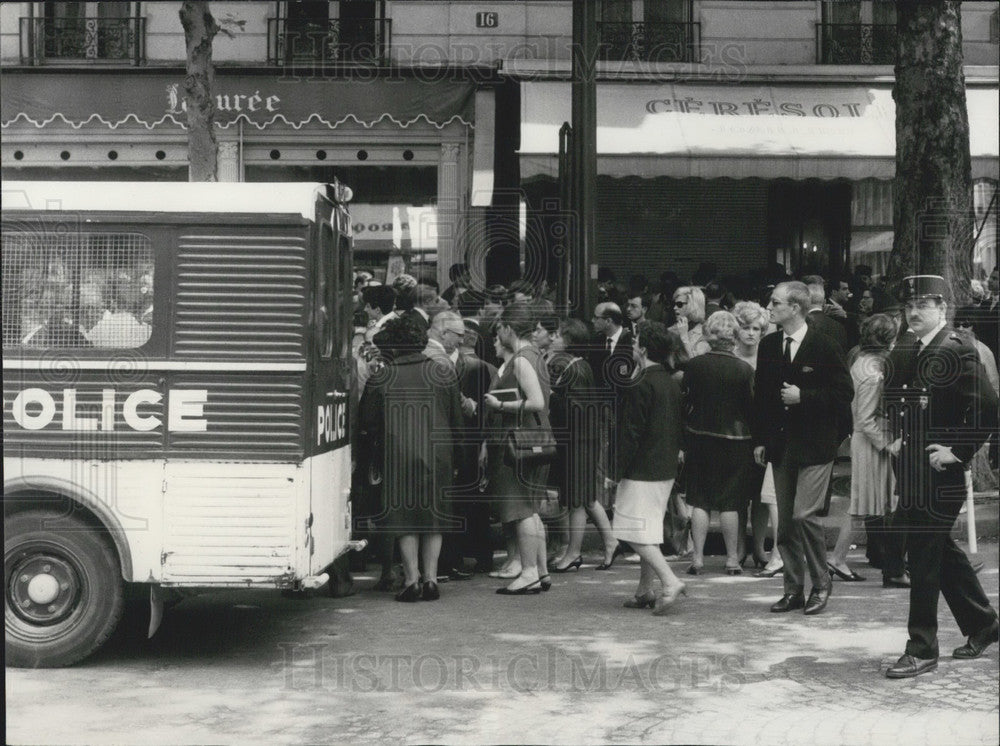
[
  {"x": 576, "y": 418},
  {"x": 721, "y": 474},
  {"x": 649, "y": 435},
  {"x": 413, "y": 408}
]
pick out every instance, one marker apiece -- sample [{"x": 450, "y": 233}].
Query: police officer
[{"x": 945, "y": 411}]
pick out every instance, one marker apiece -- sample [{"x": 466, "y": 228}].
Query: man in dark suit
[
  {"x": 475, "y": 377},
  {"x": 944, "y": 410},
  {"x": 612, "y": 362},
  {"x": 636, "y": 308},
  {"x": 801, "y": 406},
  {"x": 841, "y": 310},
  {"x": 444, "y": 335},
  {"x": 419, "y": 305},
  {"x": 816, "y": 315},
  {"x": 470, "y": 304},
  {"x": 988, "y": 317}
]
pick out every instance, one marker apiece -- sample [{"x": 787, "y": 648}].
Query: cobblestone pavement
[{"x": 570, "y": 666}]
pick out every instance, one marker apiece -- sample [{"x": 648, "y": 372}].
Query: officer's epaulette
[{"x": 956, "y": 337}]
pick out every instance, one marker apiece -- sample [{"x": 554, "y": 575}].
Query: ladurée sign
[
  {"x": 233, "y": 102},
  {"x": 126, "y": 98}
]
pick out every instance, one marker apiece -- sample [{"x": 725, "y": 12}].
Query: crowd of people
[{"x": 676, "y": 402}]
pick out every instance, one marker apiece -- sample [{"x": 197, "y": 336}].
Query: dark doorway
[{"x": 809, "y": 225}]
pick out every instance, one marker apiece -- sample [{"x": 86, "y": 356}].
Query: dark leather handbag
[{"x": 530, "y": 445}]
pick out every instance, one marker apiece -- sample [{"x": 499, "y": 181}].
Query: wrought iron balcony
[
  {"x": 649, "y": 42},
  {"x": 856, "y": 43},
  {"x": 121, "y": 40},
  {"x": 361, "y": 41}
]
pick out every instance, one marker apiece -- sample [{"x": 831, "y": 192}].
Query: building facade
[{"x": 730, "y": 132}]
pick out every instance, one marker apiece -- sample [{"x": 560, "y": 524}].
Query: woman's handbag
[{"x": 529, "y": 446}]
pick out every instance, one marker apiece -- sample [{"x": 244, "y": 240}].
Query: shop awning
[
  {"x": 739, "y": 131},
  {"x": 150, "y": 100}
]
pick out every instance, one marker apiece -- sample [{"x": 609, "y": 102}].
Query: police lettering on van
[
  {"x": 331, "y": 423},
  {"x": 35, "y": 409}
]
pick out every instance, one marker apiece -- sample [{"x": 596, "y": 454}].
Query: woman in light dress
[
  {"x": 872, "y": 481},
  {"x": 754, "y": 321}
]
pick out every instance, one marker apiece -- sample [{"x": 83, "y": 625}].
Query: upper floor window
[
  {"x": 77, "y": 291},
  {"x": 316, "y": 31},
  {"x": 68, "y": 31},
  {"x": 857, "y": 32},
  {"x": 648, "y": 31}
]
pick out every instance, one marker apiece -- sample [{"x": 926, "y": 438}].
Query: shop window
[
  {"x": 648, "y": 31},
  {"x": 69, "y": 31},
  {"x": 984, "y": 257},
  {"x": 354, "y": 31},
  {"x": 77, "y": 291},
  {"x": 392, "y": 211},
  {"x": 857, "y": 32}
]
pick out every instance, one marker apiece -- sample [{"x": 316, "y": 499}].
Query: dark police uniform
[{"x": 938, "y": 393}]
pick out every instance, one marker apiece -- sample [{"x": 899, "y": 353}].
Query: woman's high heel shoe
[
  {"x": 641, "y": 601},
  {"x": 546, "y": 583},
  {"x": 526, "y": 590},
  {"x": 769, "y": 573},
  {"x": 410, "y": 593},
  {"x": 574, "y": 565},
  {"x": 667, "y": 599},
  {"x": 614, "y": 555},
  {"x": 431, "y": 592}
]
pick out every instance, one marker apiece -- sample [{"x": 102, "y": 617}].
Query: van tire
[{"x": 63, "y": 589}]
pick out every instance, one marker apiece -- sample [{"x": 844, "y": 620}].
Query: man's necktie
[
  {"x": 919, "y": 346},
  {"x": 787, "y": 356},
  {"x": 607, "y": 344}
]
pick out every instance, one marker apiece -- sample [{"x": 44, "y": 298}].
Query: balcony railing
[
  {"x": 649, "y": 42},
  {"x": 363, "y": 41},
  {"x": 856, "y": 44},
  {"x": 121, "y": 40}
]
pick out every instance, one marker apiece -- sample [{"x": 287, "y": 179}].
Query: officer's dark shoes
[
  {"x": 909, "y": 666},
  {"x": 903, "y": 581},
  {"x": 789, "y": 602},
  {"x": 978, "y": 642}
]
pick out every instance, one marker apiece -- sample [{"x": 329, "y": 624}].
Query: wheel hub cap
[{"x": 44, "y": 589}]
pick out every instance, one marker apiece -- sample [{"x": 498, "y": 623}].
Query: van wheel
[{"x": 63, "y": 590}]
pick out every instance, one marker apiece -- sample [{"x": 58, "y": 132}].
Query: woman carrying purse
[{"x": 518, "y": 487}]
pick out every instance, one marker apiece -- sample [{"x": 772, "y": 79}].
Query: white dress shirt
[{"x": 796, "y": 338}]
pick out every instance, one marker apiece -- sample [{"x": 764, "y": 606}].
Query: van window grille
[{"x": 77, "y": 290}]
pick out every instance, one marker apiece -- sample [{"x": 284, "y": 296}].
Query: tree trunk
[
  {"x": 200, "y": 29},
  {"x": 933, "y": 215}
]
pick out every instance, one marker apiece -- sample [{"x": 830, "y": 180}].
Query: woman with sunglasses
[{"x": 689, "y": 305}]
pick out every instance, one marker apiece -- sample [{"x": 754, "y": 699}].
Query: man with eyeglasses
[
  {"x": 613, "y": 364},
  {"x": 802, "y": 401},
  {"x": 945, "y": 410},
  {"x": 444, "y": 337}
]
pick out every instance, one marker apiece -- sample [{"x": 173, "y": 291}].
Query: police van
[{"x": 176, "y": 363}]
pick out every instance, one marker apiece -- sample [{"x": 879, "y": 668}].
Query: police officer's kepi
[{"x": 923, "y": 286}]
